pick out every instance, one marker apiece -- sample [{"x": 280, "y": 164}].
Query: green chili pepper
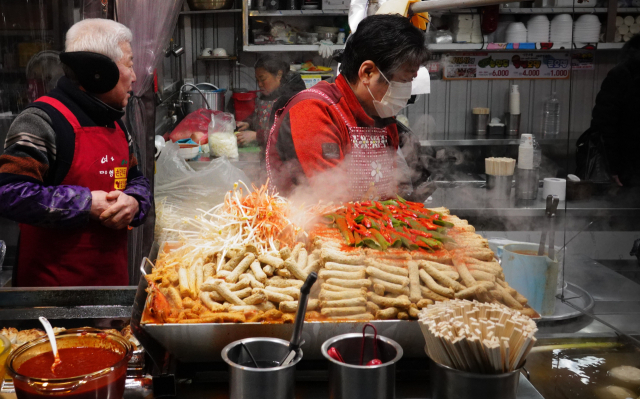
[
  {"x": 407, "y": 243},
  {"x": 442, "y": 223},
  {"x": 359, "y": 219},
  {"x": 426, "y": 244},
  {"x": 346, "y": 233},
  {"x": 357, "y": 238},
  {"x": 383, "y": 243},
  {"x": 371, "y": 243}
]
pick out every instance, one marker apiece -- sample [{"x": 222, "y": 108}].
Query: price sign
[{"x": 483, "y": 65}]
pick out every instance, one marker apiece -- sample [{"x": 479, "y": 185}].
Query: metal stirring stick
[
  {"x": 296, "y": 337},
  {"x": 552, "y": 228},
  {"x": 543, "y": 233}
]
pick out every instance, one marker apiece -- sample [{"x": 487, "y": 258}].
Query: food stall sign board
[{"x": 484, "y": 65}]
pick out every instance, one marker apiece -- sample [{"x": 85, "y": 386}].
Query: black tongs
[
  {"x": 552, "y": 207},
  {"x": 296, "y": 338}
]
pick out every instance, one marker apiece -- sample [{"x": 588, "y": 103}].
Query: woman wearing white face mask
[{"x": 348, "y": 127}]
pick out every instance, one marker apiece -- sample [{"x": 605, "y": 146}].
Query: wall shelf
[
  {"x": 210, "y": 59},
  {"x": 239, "y": 10},
  {"x": 491, "y": 141},
  {"x": 298, "y": 13},
  {"x": 484, "y": 47},
  {"x": 285, "y": 47},
  {"x": 548, "y": 10}
]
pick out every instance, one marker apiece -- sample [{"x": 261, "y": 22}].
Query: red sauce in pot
[{"x": 75, "y": 362}]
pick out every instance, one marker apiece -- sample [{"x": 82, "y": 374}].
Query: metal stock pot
[{"x": 202, "y": 95}]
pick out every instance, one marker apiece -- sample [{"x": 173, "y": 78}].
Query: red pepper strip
[
  {"x": 346, "y": 233},
  {"x": 376, "y": 212},
  {"x": 365, "y": 203},
  {"x": 387, "y": 219},
  {"x": 392, "y": 208},
  {"x": 366, "y": 222},
  {"x": 414, "y": 204},
  {"x": 362, "y": 230},
  {"x": 401, "y": 234},
  {"x": 363, "y": 211},
  {"x": 420, "y": 233},
  {"x": 378, "y": 205},
  {"x": 428, "y": 224},
  {"x": 350, "y": 222},
  {"x": 409, "y": 214},
  {"x": 357, "y": 238},
  {"x": 386, "y": 234},
  {"x": 401, "y": 205},
  {"x": 413, "y": 236}
]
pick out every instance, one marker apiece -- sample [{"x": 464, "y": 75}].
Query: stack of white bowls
[
  {"x": 501, "y": 30},
  {"x": 538, "y": 29},
  {"x": 560, "y": 31},
  {"x": 516, "y": 33},
  {"x": 586, "y": 29}
]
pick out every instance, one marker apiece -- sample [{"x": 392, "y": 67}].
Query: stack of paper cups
[
  {"x": 525, "y": 152},
  {"x": 554, "y": 186},
  {"x": 514, "y": 100}
]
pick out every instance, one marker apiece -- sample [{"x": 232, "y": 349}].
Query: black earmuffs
[{"x": 97, "y": 73}]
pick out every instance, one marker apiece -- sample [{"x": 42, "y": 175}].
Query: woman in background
[
  {"x": 277, "y": 85},
  {"x": 615, "y": 117}
]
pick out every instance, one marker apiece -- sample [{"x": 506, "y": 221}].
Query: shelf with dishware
[
  {"x": 516, "y": 47},
  {"x": 286, "y": 47},
  {"x": 549, "y": 10},
  {"x": 298, "y": 13}
]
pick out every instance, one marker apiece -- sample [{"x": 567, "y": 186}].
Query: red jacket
[{"x": 311, "y": 128}]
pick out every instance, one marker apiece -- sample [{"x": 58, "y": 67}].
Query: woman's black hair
[
  {"x": 272, "y": 64},
  {"x": 390, "y": 41},
  {"x": 631, "y": 49}
]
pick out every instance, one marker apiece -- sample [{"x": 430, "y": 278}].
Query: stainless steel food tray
[
  {"x": 204, "y": 342},
  {"x": 578, "y": 296}
]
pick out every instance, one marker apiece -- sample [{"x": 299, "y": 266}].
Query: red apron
[
  {"x": 92, "y": 255},
  {"x": 371, "y": 161}
]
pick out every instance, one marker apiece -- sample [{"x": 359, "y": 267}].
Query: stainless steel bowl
[{"x": 210, "y": 4}]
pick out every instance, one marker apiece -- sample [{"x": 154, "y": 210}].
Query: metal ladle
[{"x": 52, "y": 340}]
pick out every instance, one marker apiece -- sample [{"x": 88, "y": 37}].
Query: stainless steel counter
[
  {"x": 470, "y": 199},
  {"x": 617, "y": 300}
]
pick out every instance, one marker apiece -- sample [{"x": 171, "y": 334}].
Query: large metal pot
[{"x": 194, "y": 99}]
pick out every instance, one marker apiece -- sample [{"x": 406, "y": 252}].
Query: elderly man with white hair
[{"x": 69, "y": 173}]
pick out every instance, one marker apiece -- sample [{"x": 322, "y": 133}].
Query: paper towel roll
[{"x": 554, "y": 186}]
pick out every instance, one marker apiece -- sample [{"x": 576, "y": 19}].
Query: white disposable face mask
[{"x": 393, "y": 100}]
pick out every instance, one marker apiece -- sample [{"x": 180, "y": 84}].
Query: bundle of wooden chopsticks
[
  {"x": 477, "y": 337},
  {"x": 499, "y": 166}
]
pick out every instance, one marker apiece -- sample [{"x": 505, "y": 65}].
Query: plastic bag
[
  {"x": 194, "y": 126},
  {"x": 180, "y": 191},
  {"x": 591, "y": 157},
  {"x": 222, "y": 140}
]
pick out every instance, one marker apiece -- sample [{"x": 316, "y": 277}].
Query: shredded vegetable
[
  {"x": 260, "y": 219},
  {"x": 223, "y": 145}
]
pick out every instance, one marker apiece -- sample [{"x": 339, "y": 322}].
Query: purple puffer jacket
[{"x": 62, "y": 206}]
